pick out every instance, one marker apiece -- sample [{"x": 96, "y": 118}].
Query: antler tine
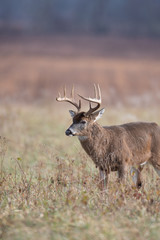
[
  {"x": 96, "y": 100},
  {"x": 79, "y": 104},
  {"x": 59, "y": 95},
  {"x": 65, "y": 91},
  {"x": 72, "y": 92},
  {"x": 99, "y": 91},
  {"x": 70, "y": 100},
  {"x": 95, "y": 90}
]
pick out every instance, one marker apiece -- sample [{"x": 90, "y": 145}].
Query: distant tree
[
  {"x": 124, "y": 17},
  {"x": 44, "y": 15},
  {"x": 91, "y": 16},
  {"x": 82, "y": 16},
  {"x": 143, "y": 18},
  {"x": 99, "y": 16},
  {"x": 6, "y": 11}
]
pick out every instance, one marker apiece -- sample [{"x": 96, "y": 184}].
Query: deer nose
[{"x": 68, "y": 132}]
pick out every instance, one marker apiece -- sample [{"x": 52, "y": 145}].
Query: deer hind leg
[
  {"x": 156, "y": 164},
  {"x": 157, "y": 170},
  {"x": 103, "y": 179},
  {"x": 136, "y": 175}
]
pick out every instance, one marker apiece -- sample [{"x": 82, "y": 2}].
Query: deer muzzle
[{"x": 69, "y": 132}]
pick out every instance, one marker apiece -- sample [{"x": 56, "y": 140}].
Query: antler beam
[
  {"x": 70, "y": 100},
  {"x": 96, "y": 100}
]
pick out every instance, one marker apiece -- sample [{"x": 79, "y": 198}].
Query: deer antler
[
  {"x": 97, "y": 100},
  {"x": 70, "y": 100}
]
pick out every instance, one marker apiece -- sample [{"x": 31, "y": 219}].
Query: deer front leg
[
  {"x": 122, "y": 173},
  {"x": 103, "y": 179}
]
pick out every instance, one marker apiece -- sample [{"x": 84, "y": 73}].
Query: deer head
[{"x": 82, "y": 121}]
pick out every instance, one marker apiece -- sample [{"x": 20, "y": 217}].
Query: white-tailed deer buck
[{"x": 114, "y": 148}]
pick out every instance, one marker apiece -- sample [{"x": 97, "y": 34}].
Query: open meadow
[{"x": 48, "y": 185}]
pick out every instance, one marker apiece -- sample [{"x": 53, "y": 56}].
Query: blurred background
[{"x": 46, "y": 44}]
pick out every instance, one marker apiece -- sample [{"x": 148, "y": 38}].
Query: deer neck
[
  {"x": 93, "y": 140},
  {"x": 94, "y": 131}
]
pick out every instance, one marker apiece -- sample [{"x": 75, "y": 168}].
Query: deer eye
[{"x": 83, "y": 121}]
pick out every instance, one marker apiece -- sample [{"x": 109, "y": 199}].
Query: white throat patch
[{"x": 82, "y": 138}]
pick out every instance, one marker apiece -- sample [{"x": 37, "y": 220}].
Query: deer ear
[
  {"x": 72, "y": 113},
  {"x": 97, "y": 115}
]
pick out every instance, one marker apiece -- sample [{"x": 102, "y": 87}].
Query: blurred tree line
[{"x": 121, "y": 17}]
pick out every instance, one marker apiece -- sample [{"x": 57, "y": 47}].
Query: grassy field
[{"x": 49, "y": 187}]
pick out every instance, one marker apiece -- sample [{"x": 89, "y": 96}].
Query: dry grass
[{"x": 49, "y": 187}]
